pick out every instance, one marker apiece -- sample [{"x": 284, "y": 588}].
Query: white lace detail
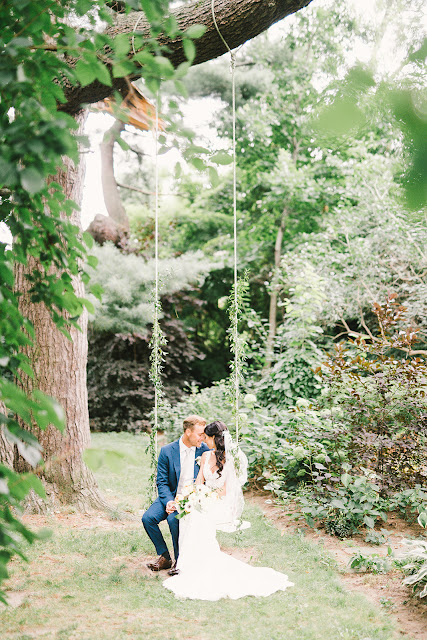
[{"x": 212, "y": 480}]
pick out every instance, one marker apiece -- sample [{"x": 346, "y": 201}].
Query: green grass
[{"x": 90, "y": 583}]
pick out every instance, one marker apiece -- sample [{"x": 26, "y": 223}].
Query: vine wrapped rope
[
  {"x": 157, "y": 338},
  {"x": 235, "y": 321},
  {"x": 156, "y": 262}
]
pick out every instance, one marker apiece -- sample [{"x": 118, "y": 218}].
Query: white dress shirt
[{"x": 187, "y": 456}]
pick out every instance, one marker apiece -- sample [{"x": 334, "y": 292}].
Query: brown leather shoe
[
  {"x": 160, "y": 564},
  {"x": 173, "y": 571}
]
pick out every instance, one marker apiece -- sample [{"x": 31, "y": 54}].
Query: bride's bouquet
[{"x": 194, "y": 497}]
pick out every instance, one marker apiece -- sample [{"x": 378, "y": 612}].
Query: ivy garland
[
  {"x": 238, "y": 348},
  {"x": 157, "y": 342}
]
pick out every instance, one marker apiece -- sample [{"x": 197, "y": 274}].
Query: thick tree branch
[{"x": 238, "y": 20}]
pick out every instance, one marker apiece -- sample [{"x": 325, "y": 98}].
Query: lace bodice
[{"x": 211, "y": 477}]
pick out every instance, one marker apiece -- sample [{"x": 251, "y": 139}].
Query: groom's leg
[
  {"x": 151, "y": 518},
  {"x": 173, "y": 523}
]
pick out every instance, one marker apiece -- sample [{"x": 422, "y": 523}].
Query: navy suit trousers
[{"x": 151, "y": 519}]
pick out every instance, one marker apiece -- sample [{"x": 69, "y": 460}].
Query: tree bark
[
  {"x": 272, "y": 320},
  {"x": 112, "y": 199},
  {"x": 59, "y": 367},
  {"x": 238, "y": 21},
  {"x": 6, "y": 448}
]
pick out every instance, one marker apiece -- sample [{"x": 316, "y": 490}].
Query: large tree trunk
[
  {"x": 59, "y": 366},
  {"x": 272, "y": 320}
]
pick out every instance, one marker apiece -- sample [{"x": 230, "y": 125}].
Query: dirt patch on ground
[
  {"x": 385, "y": 590},
  {"x": 90, "y": 520}
]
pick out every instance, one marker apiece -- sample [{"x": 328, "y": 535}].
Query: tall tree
[{"x": 90, "y": 66}]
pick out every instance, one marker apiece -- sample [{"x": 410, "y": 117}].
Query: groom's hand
[{"x": 170, "y": 507}]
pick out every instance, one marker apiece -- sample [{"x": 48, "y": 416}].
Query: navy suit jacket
[{"x": 169, "y": 470}]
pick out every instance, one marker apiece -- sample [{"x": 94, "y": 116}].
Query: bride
[{"x": 204, "y": 572}]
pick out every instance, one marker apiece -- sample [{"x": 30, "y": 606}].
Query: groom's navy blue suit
[{"x": 168, "y": 472}]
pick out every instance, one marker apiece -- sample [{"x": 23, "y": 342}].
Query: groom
[{"x": 176, "y": 468}]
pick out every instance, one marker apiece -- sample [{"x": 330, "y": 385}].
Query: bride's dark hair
[{"x": 216, "y": 430}]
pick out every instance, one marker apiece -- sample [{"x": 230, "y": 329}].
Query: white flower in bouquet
[{"x": 198, "y": 497}]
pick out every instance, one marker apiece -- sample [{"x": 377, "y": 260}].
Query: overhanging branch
[{"x": 238, "y": 20}]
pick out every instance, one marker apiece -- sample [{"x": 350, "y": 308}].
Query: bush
[
  {"x": 383, "y": 396},
  {"x": 211, "y": 403},
  {"x": 128, "y": 283},
  {"x": 413, "y": 562},
  {"x": 373, "y": 563},
  {"x": 121, "y": 395},
  {"x": 410, "y": 503},
  {"x": 296, "y": 354},
  {"x": 290, "y": 446},
  {"x": 354, "y": 502}
]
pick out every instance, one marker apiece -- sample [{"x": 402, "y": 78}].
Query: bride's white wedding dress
[{"x": 205, "y": 572}]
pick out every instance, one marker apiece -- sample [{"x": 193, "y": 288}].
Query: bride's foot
[
  {"x": 161, "y": 563},
  {"x": 173, "y": 571}
]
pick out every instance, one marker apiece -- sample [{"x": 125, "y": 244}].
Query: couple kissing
[{"x": 204, "y": 455}]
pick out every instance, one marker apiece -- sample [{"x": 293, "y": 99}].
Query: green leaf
[
  {"x": 163, "y": 66},
  {"x": 96, "y": 290},
  {"x": 88, "y": 304},
  {"x": 343, "y": 116},
  {"x": 370, "y": 522},
  {"x": 345, "y": 479},
  {"x": 189, "y": 49},
  {"x": 48, "y": 411},
  {"x": 8, "y": 173},
  {"x": 103, "y": 74},
  {"x": 198, "y": 163},
  {"x": 94, "y": 458},
  {"x": 123, "y": 69},
  {"x": 422, "y": 519},
  {"x": 222, "y": 157},
  {"x": 122, "y": 45},
  {"x": 31, "y": 180},
  {"x": 195, "y": 31},
  {"x": 88, "y": 239},
  {"x": 213, "y": 176},
  {"x": 181, "y": 88},
  {"x": 85, "y": 73},
  {"x": 182, "y": 69},
  {"x": 151, "y": 10}
]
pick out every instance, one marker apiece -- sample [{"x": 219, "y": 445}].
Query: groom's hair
[{"x": 191, "y": 421}]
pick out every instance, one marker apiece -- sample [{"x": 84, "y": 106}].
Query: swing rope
[
  {"x": 156, "y": 262},
  {"x": 236, "y": 301}
]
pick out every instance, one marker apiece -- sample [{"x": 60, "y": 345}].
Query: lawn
[{"x": 89, "y": 580}]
